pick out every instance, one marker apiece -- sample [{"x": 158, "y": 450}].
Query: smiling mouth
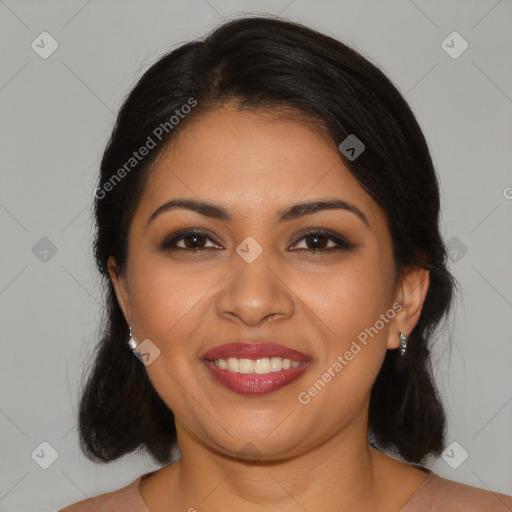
[
  {"x": 258, "y": 366},
  {"x": 261, "y": 371}
]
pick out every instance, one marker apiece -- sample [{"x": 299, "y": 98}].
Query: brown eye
[
  {"x": 322, "y": 241},
  {"x": 189, "y": 241}
]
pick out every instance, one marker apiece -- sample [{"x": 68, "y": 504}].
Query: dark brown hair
[{"x": 268, "y": 63}]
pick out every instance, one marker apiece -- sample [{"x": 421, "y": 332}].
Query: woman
[{"x": 267, "y": 227}]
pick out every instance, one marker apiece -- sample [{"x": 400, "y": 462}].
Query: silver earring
[
  {"x": 131, "y": 341},
  {"x": 403, "y": 343}
]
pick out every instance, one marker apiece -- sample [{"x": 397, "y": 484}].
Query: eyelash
[{"x": 170, "y": 243}]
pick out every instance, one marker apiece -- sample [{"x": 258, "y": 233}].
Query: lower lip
[{"x": 255, "y": 384}]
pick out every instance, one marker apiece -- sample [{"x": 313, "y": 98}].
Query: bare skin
[{"x": 312, "y": 456}]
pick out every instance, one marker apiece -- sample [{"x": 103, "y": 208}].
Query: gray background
[{"x": 56, "y": 115}]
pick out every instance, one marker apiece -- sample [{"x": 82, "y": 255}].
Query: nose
[{"x": 254, "y": 293}]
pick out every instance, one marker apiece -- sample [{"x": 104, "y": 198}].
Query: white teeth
[
  {"x": 233, "y": 364},
  {"x": 262, "y": 365},
  {"x": 258, "y": 366},
  {"x": 245, "y": 366},
  {"x": 276, "y": 364}
]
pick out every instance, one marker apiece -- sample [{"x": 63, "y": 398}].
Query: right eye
[{"x": 190, "y": 240}]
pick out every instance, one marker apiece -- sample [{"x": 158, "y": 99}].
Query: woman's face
[{"x": 253, "y": 279}]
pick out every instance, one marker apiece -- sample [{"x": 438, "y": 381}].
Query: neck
[{"x": 339, "y": 475}]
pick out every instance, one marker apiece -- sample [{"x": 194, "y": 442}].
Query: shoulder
[
  {"x": 120, "y": 500},
  {"x": 440, "y": 494}
]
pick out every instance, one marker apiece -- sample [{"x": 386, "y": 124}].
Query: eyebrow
[{"x": 286, "y": 214}]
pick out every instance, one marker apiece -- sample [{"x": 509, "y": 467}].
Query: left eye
[{"x": 320, "y": 240}]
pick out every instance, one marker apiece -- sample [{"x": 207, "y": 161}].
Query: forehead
[{"x": 252, "y": 161}]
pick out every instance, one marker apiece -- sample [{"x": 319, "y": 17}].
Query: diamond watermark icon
[
  {"x": 249, "y": 249},
  {"x": 250, "y": 453},
  {"x": 456, "y": 249},
  {"x": 454, "y": 455},
  {"x": 44, "y": 45},
  {"x": 454, "y": 45},
  {"x": 351, "y": 147},
  {"x": 147, "y": 352},
  {"x": 45, "y": 455},
  {"x": 44, "y": 250}
]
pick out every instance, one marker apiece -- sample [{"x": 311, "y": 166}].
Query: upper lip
[{"x": 251, "y": 350}]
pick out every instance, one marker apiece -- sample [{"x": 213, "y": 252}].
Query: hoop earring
[
  {"x": 131, "y": 340},
  {"x": 402, "y": 346}
]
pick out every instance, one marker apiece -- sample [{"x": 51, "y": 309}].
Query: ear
[
  {"x": 410, "y": 292},
  {"x": 121, "y": 289}
]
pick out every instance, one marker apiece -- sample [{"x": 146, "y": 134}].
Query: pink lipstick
[{"x": 255, "y": 369}]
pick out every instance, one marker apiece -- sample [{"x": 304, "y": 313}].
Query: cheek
[
  {"x": 353, "y": 351},
  {"x": 347, "y": 297},
  {"x": 166, "y": 296},
  {"x": 354, "y": 305},
  {"x": 168, "y": 304}
]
